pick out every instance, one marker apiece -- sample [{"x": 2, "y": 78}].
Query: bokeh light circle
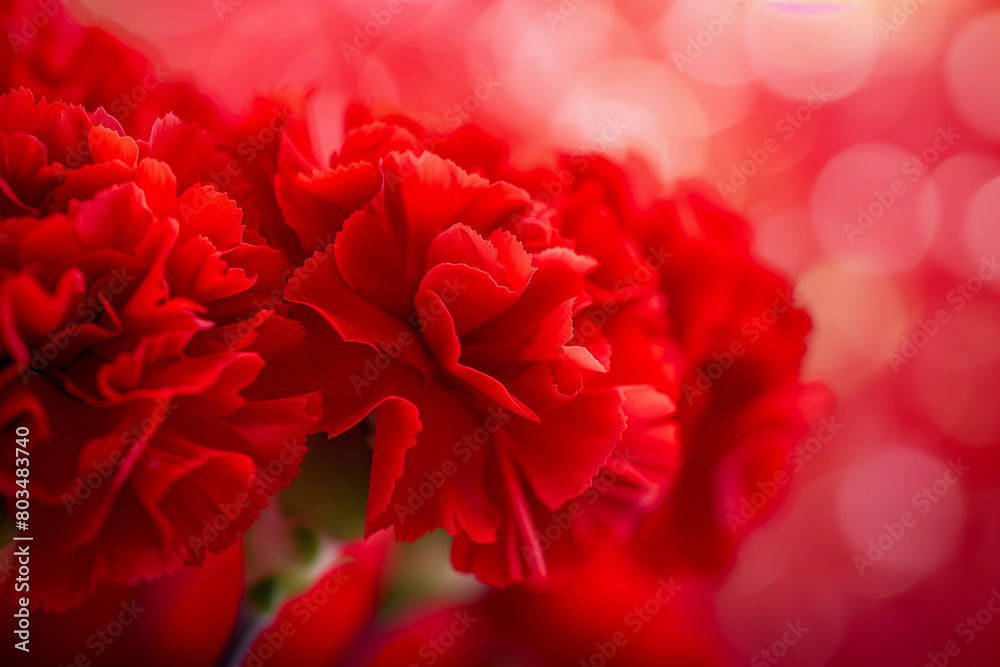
[
  {"x": 902, "y": 513},
  {"x": 875, "y": 205},
  {"x": 796, "y": 53},
  {"x": 982, "y": 229},
  {"x": 971, "y": 73}
]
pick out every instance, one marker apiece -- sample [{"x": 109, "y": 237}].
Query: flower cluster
[
  {"x": 530, "y": 343},
  {"x": 144, "y": 347},
  {"x": 548, "y": 368}
]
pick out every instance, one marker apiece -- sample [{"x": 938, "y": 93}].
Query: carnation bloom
[
  {"x": 675, "y": 286},
  {"x": 143, "y": 345},
  {"x": 60, "y": 59},
  {"x": 676, "y": 290},
  {"x": 742, "y": 407},
  {"x": 449, "y": 303}
]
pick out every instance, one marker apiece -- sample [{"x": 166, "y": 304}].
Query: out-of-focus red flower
[
  {"x": 318, "y": 627},
  {"x": 143, "y": 346},
  {"x": 733, "y": 334},
  {"x": 120, "y": 622},
  {"x": 450, "y": 303},
  {"x": 607, "y": 612},
  {"x": 49, "y": 52},
  {"x": 742, "y": 407}
]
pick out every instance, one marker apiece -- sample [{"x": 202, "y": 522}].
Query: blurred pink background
[{"x": 862, "y": 141}]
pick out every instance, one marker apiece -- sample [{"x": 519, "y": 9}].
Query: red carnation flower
[
  {"x": 742, "y": 407},
  {"x": 450, "y": 304},
  {"x": 675, "y": 290},
  {"x": 143, "y": 347},
  {"x": 54, "y": 56}
]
